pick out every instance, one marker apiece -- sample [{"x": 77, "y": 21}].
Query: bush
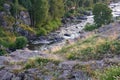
[
  {"x": 39, "y": 62},
  {"x": 4, "y": 42},
  {"x": 116, "y": 47},
  {"x": 2, "y": 33},
  {"x": 104, "y": 48},
  {"x": 2, "y": 52},
  {"x": 81, "y": 10},
  {"x": 20, "y": 42},
  {"x": 90, "y": 27},
  {"x": 112, "y": 73},
  {"x": 1, "y": 8},
  {"x": 41, "y": 31},
  {"x": 48, "y": 27}
]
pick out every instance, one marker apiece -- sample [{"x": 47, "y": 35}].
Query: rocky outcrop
[
  {"x": 7, "y": 20},
  {"x": 24, "y": 16},
  {"x": 11, "y": 68}
]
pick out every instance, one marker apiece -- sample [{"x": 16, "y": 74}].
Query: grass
[
  {"x": 94, "y": 47},
  {"x": 9, "y": 41},
  {"x": 111, "y": 73},
  {"x": 27, "y": 28},
  {"x": 90, "y": 27},
  {"x": 39, "y": 63}
]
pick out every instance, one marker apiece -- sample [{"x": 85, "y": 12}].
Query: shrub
[
  {"x": 115, "y": 47},
  {"x": 2, "y": 32},
  {"x": 1, "y": 8},
  {"x": 103, "y": 48},
  {"x": 2, "y": 52},
  {"x": 112, "y": 73},
  {"x": 39, "y": 62},
  {"x": 27, "y": 28},
  {"x": 20, "y": 42},
  {"x": 91, "y": 48},
  {"x": 3, "y": 42},
  {"x": 90, "y": 27},
  {"x": 41, "y": 31},
  {"x": 72, "y": 56},
  {"x": 81, "y": 10}
]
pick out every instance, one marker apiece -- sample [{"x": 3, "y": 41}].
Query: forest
[
  {"x": 21, "y": 19},
  {"x": 46, "y": 15}
]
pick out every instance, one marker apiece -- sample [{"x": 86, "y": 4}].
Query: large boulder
[
  {"x": 25, "y": 17},
  {"x": 7, "y": 7}
]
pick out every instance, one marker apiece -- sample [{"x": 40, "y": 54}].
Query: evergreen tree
[
  {"x": 40, "y": 11},
  {"x": 102, "y": 14},
  {"x": 56, "y": 8},
  {"x": 15, "y": 8}
]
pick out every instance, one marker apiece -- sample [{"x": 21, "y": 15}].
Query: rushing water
[
  {"x": 71, "y": 31},
  {"x": 115, "y": 8}
]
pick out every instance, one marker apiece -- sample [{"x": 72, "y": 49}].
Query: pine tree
[
  {"x": 56, "y": 8},
  {"x": 102, "y": 14},
  {"x": 40, "y": 11}
]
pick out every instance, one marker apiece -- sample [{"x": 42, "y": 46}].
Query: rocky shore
[
  {"x": 12, "y": 65},
  {"x": 71, "y": 31}
]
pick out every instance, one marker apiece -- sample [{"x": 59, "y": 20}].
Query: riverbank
[
  {"x": 69, "y": 32},
  {"x": 32, "y": 65}
]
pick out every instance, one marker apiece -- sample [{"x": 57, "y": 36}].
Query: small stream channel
[{"x": 69, "y": 31}]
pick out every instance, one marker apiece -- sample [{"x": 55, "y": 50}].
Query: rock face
[
  {"x": 4, "y": 14},
  {"x": 24, "y": 16},
  {"x": 10, "y": 68},
  {"x": 2, "y": 21},
  {"x": 7, "y": 20},
  {"x": 7, "y": 7}
]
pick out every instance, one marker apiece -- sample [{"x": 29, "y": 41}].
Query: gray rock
[
  {"x": 28, "y": 77},
  {"x": 2, "y": 59},
  {"x": 68, "y": 65},
  {"x": 25, "y": 17},
  {"x": 47, "y": 78},
  {"x": 7, "y": 7},
  {"x": 16, "y": 78},
  {"x": 3, "y": 22},
  {"x": 80, "y": 75},
  {"x": 7, "y": 76}
]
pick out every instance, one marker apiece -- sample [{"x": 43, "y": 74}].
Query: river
[{"x": 68, "y": 32}]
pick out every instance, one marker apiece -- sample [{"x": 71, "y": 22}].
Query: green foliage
[
  {"x": 91, "y": 48},
  {"x": 20, "y": 42},
  {"x": 112, "y": 73},
  {"x": 48, "y": 27},
  {"x": 1, "y": 2},
  {"x": 1, "y": 8},
  {"x": 10, "y": 20},
  {"x": 2, "y": 52},
  {"x": 26, "y": 3},
  {"x": 40, "y": 11},
  {"x": 77, "y": 4},
  {"x": 15, "y": 8},
  {"x": 27, "y": 28},
  {"x": 2, "y": 33},
  {"x": 102, "y": 14},
  {"x": 39, "y": 62},
  {"x": 4, "y": 42},
  {"x": 56, "y": 8},
  {"x": 90, "y": 27},
  {"x": 41, "y": 31}
]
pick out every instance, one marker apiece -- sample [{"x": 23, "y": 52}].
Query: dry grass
[{"x": 91, "y": 48}]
